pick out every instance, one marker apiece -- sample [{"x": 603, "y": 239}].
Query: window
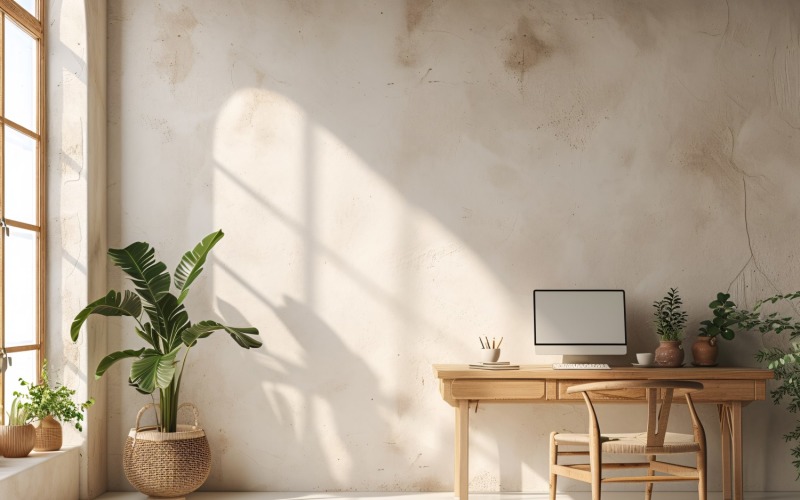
[{"x": 22, "y": 182}]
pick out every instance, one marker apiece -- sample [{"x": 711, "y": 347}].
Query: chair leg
[
  {"x": 553, "y": 461},
  {"x": 596, "y": 465},
  {"x": 702, "y": 479},
  {"x": 648, "y": 489}
]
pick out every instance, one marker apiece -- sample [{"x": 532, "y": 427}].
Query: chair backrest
[{"x": 657, "y": 418}]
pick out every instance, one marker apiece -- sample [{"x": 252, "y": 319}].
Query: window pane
[
  {"x": 20, "y": 184},
  {"x": 20, "y": 76},
  {"x": 29, "y": 5},
  {"x": 20, "y": 288},
  {"x": 23, "y": 365}
]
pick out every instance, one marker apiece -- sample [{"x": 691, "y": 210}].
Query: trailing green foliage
[
  {"x": 161, "y": 321},
  {"x": 784, "y": 362},
  {"x": 42, "y": 400},
  {"x": 669, "y": 316}
]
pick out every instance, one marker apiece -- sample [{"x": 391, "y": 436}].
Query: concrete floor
[{"x": 445, "y": 496}]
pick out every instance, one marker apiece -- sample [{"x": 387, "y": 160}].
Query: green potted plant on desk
[
  {"x": 727, "y": 317},
  {"x": 49, "y": 406},
  {"x": 172, "y": 460},
  {"x": 670, "y": 322}
]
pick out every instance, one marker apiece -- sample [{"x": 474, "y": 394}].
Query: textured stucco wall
[
  {"x": 76, "y": 215},
  {"x": 394, "y": 179}
]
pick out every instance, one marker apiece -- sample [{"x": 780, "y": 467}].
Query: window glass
[
  {"x": 20, "y": 177},
  {"x": 22, "y": 182},
  {"x": 20, "y": 288},
  {"x": 29, "y": 5},
  {"x": 20, "y": 76},
  {"x": 23, "y": 365}
]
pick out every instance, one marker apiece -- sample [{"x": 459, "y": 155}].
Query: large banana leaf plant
[{"x": 161, "y": 321}]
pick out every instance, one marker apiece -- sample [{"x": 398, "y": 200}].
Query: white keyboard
[{"x": 581, "y": 366}]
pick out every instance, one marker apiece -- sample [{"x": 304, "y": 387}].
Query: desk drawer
[
  {"x": 616, "y": 395},
  {"x": 498, "y": 389},
  {"x": 726, "y": 390}
]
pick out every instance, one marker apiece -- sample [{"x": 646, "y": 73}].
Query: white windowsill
[{"x": 53, "y": 474}]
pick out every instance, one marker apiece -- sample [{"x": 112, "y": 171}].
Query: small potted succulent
[
  {"x": 670, "y": 322},
  {"x": 49, "y": 406},
  {"x": 17, "y": 437}
]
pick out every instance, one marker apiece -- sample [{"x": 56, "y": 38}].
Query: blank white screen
[{"x": 579, "y": 317}]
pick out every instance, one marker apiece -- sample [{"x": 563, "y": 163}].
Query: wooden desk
[{"x": 729, "y": 388}]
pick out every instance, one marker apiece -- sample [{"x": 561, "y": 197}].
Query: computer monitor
[{"x": 579, "y": 322}]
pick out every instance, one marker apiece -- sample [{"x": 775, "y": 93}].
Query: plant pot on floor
[
  {"x": 16, "y": 441},
  {"x": 48, "y": 435},
  {"x": 669, "y": 354},
  {"x": 705, "y": 351},
  {"x": 167, "y": 464}
]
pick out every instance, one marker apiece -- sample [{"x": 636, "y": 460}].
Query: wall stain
[
  {"x": 712, "y": 155},
  {"x": 525, "y": 49},
  {"x": 406, "y": 52},
  {"x": 175, "y": 54},
  {"x": 415, "y": 12}
]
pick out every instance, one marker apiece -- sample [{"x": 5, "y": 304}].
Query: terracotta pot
[
  {"x": 669, "y": 354},
  {"x": 16, "y": 441},
  {"x": 704, "y": 351},
  {"x": 48, "y": 435}
]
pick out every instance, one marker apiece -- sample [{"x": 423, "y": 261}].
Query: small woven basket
[
  {"x": 48, "y": 435},
  {"x": 167, "y": 464}
]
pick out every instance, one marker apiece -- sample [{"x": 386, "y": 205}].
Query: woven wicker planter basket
[
  {"x": 167, "y": 464},
  {"x": 48, "y": 435},
  {"x": 16, "y": 441}
]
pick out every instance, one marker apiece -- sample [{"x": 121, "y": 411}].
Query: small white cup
[
  {"x": 490, "y": 354},
  {"x": 644, "y": 358}
]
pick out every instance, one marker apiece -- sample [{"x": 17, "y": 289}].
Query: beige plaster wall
[
  {"x": 395, "y": 178},
  {"x": 76, "y": 216}
]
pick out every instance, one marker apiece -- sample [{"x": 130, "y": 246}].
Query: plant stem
[{"x": 169, "y": 408}]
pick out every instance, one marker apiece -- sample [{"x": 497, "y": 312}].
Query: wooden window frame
[{"x": 36, "y": 28}]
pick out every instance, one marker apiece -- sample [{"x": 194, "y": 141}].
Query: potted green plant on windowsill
[
  {"x": 17, "y": 437},
  {"x": 162, "y": 321},
  {"x": 670, "y": 322},
  {"x": 49, "y": 406}
]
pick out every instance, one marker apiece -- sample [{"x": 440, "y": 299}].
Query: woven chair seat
[{"x": 633, "y": 443}]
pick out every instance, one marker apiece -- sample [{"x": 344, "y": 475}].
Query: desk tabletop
[{"x": 463, "y": 371}]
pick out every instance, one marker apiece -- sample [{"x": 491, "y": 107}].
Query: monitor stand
[{"x": 591, "y": 359}]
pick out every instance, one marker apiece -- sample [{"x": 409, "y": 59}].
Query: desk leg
[
  {"x": 725, "y": 441},
  {"x": 737, "y": 450},
  {"x": 730, "y": 416},
  {"x": 462, "y": 450}
]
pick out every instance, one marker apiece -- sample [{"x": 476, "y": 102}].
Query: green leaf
[
  {"x": 153, "y": 370},
  {"x": 112, "y": 358},
  {"x": 191, "y": 264},
  {"x": 242, "y": 336},
  {"x": 149, "y": 276},
  {"x": 113, "y": 304},
  {"x": 169, "y": 320}
]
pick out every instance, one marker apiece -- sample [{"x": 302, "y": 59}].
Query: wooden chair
[{"x": 655, "y": 441}]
